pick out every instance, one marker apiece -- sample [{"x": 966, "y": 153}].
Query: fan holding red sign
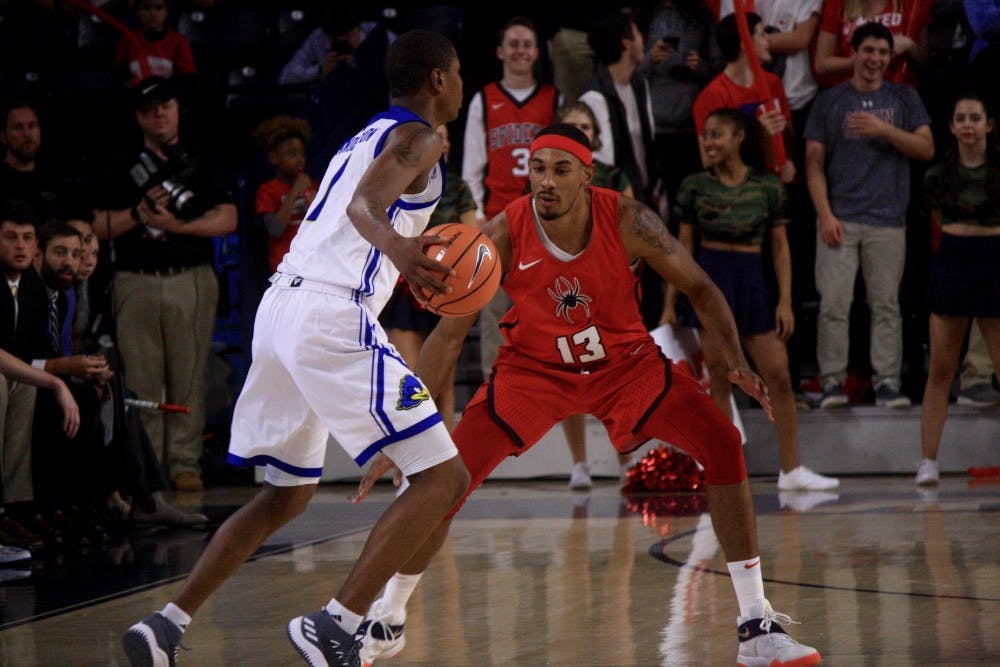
[{"x": 744, "y": 85}]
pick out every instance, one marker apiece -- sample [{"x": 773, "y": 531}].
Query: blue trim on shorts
[
  {"x": 408, "y": 432},
  {"x": 265, "y": 460},
  {"x": 380, "y": 393},
  {"x": 383, "y": 417},
  {"x": 375, "y": 377}
]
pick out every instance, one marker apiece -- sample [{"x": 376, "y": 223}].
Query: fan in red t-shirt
[
  {"x": 164, "y": 51},
  {"x": 907, "y": 19},
  {"x": 735, "y": 88},
  {"x": 281, "y": 202}
]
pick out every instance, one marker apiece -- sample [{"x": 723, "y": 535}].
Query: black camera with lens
[{"x": 175, "y": 175}]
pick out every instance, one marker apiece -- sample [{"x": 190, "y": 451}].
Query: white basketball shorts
[{"x": 322, "y": 364}]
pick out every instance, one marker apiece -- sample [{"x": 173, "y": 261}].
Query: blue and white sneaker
[
  {"x": 382, "y": 636},
  {"x": 764, "y": 643},
  {"x": 152, "y": 642},
  {"x": 321, "y": 641}
]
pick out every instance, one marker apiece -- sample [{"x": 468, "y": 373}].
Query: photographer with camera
[{"x": 169, "y": 201}]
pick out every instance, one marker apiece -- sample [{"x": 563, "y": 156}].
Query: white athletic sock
[
  {"x": 176, "y": 615},
  {"x": 345, "y": 618},
  {"x": 749, "y": 585},
  {"x": 397, "y": 593}
]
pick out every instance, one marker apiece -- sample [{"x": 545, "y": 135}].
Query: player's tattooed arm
[
  {"x": 411, "y": 152},
  {"x": 645, "y": 236},
  {"x": 643, "y": 231}
]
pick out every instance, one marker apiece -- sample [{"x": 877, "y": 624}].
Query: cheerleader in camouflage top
[
  {"x": 963, "y": 195},
  {"x": 736, "y": 206}
]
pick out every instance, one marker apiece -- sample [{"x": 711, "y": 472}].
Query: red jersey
[
  {"x": 722, "y": 92},
  {"x": 510, "y": 127},
  {"x": 165, "y": 57},
  {"x": 897, "y": 16},
  {"x": 577, "y": 313},
  {"x": 270, "y": 196}
]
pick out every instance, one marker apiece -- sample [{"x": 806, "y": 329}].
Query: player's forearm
[
  {"x": 686, "y": 238},
  {"x": 439, "y": 353},
  {"x": 371, "y": 221}
]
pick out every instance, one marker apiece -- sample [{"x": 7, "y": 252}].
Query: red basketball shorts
[{"x": 645, "y": 397}]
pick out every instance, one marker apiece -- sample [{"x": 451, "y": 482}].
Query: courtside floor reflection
[{"x": 877, "y": 573}]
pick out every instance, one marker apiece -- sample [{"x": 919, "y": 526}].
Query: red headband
[{"x": 563, "y": 143}]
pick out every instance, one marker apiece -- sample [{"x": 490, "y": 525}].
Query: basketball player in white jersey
[{"x": 322, "y": 364}]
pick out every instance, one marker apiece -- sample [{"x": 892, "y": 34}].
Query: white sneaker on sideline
[
  {"x": 804, "y": 479},
  {"x": 803, "y": 501},
  {"x": 928, "y": 472},
  {"x": 764, "y": 643},
  {"x": 579, "y": 477}
]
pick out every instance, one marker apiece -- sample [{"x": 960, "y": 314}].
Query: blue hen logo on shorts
[{"x": 411, "y": 393}]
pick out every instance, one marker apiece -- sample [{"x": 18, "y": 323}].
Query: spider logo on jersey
[
  {"x": 411, "y": 393},
  {"x": 567, "y": 295}
]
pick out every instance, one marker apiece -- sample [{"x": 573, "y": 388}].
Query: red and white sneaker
[
  {"x": 382, "y": 636},
  {"x": 764, "y": 643}
]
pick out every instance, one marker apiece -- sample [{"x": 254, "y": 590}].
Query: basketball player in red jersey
[{"x": 575, "y": 342}]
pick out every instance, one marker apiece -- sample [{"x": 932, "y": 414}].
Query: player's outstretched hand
[
  {"x": 754, "y": 386},
  {"x": 381, "y": 464},
  {"x": 423, "y": 274}
]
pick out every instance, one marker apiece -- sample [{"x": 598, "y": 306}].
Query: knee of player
[
  {"x": 460, "y": 478},
  {"x": 284, "y": 503},
  {"x": 449, "y": 479},
  {"x": 723, "y": 458}
]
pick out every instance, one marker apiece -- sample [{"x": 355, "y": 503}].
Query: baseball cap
[{"x": 154, "y": 89}]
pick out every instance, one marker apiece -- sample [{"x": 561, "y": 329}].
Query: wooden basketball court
[{"x": 534, "y": 574}]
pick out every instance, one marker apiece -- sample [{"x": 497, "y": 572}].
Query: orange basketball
[{"x": 473, "y": 257}]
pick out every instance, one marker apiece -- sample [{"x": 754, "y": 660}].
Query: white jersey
[{"x": 327, "y": 248}]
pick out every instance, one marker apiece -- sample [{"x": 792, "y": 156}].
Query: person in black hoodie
[{"x": 619, "y": 96}]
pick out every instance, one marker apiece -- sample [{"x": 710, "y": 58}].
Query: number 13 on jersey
[{"x": 589, "y": 339}]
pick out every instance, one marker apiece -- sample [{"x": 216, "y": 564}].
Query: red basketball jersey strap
[{"x": 575, "y": 312}]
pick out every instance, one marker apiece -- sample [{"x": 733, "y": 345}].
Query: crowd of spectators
[{"x": 175, "y": 130}]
